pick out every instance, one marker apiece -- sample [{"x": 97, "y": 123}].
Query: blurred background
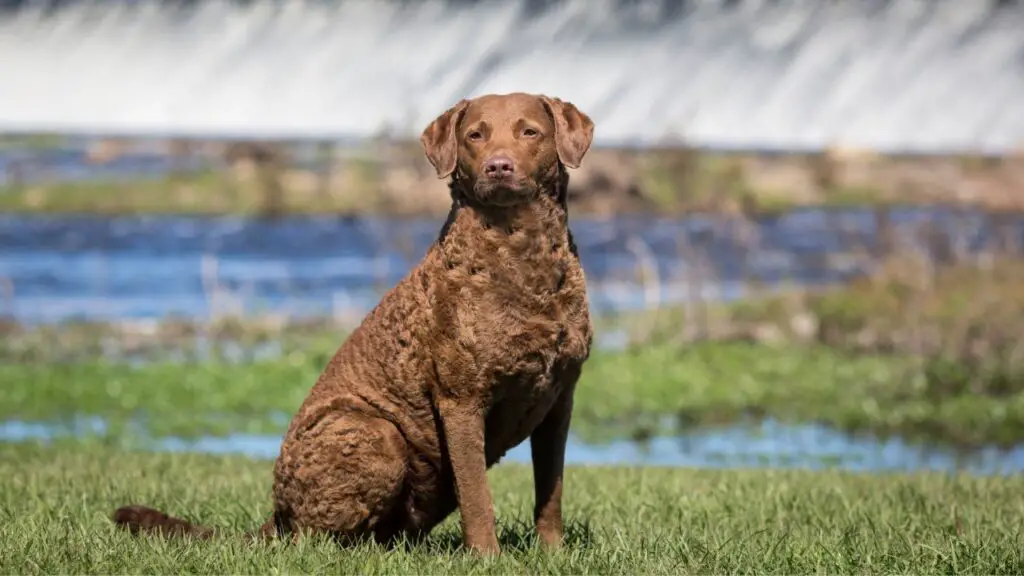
[{"x": 801, "y": 222}]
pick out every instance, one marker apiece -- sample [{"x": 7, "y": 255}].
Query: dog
[{"x": 477, "y": 349}]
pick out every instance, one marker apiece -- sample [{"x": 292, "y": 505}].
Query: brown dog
[{"x": 478, "y": 348}]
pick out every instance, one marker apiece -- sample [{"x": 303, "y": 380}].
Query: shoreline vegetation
[
  {"x": 930, "y": 356},
  {"x": 389, "y": 178},
  {"x": 927, "y": 349}
]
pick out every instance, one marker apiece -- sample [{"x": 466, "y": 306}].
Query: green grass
[
  {"x": 31, "y": 142},
  {"x": 197, "y": 193},
  {"x": 209, "y": 193},
  {"x": 55, "y": 503},
  {"x": 620, "y": 393}
]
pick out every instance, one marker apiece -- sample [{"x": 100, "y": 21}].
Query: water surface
[
  {"x": 55, "y": 268},
  {"x": 768, "y": 445}
]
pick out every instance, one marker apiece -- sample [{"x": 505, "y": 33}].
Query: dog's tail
[{"x": 145, "y": 520}]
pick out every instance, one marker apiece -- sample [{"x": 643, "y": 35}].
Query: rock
[
  {"x": 608, "y": 182},
  {"x": 769, "y": 334},
  {"x": 104, "y": 150},
  {"x": 804, "y": 326}
]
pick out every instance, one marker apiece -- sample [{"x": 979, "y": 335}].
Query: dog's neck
[{"x": 546, "y": 216}]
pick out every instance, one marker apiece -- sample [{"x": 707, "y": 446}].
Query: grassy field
[
  {"x": 621, "y": 393},
  {"x": 55, "y": 504}
]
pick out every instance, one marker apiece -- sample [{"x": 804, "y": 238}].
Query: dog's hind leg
[{"x": 344, "y": 476}]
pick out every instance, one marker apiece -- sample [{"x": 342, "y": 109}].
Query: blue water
[
  {"x": 768, "y": 445},
  {"x": 58, "y": 268}
]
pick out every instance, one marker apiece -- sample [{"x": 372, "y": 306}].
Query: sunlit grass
[{"x": 55, "y": 504}]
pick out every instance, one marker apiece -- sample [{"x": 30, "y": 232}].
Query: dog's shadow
[{"x": 513, "y": 536}]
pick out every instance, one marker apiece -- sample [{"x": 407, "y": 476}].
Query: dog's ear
[
  {"x": 439, "y": 140},
  {"x": 574, "y": 131}
]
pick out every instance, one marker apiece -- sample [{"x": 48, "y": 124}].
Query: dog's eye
[
  {"x": 475, "y": 136},
  {"x": 529, "y": 132}
]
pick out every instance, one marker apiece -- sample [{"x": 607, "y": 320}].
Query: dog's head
[{"x": 506, "y": 149}]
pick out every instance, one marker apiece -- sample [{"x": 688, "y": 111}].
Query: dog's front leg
[
  {"x": 463, "y": 422},
  {"x": 547, "y": 449}
]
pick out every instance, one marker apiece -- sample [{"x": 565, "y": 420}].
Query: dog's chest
[
  {"x": 532, "y": 340},
  {"x": 524, "y": 323},
  {"x": 513, "y": 318}
]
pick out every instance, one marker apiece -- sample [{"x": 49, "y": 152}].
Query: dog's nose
[{"x": 499, "y": 166}]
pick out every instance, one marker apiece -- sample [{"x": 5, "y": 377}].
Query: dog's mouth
[{"x": 504, "y": 191}]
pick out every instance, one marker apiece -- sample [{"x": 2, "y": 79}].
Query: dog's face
[{"x": 505, "y": 149}]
